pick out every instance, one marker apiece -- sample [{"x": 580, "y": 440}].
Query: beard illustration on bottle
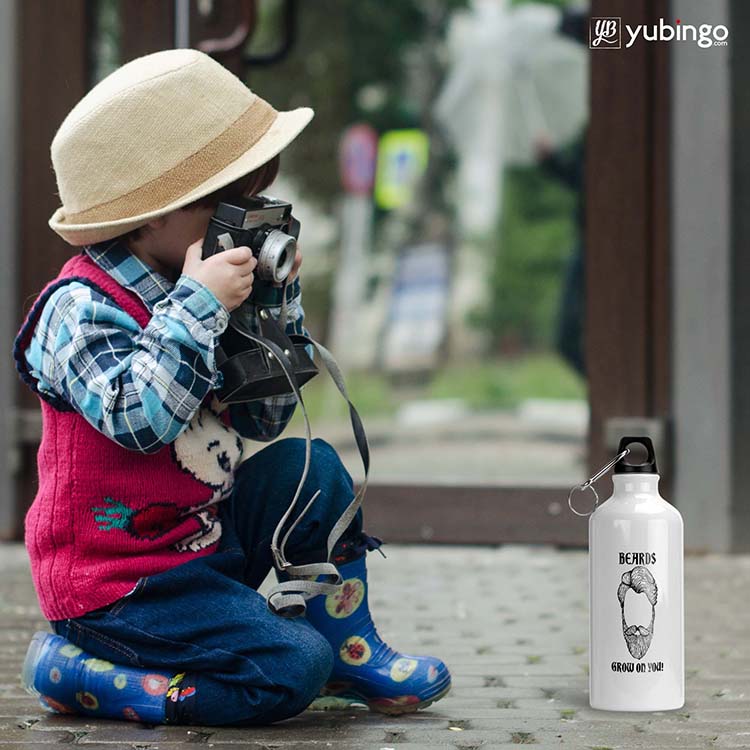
[{"x": 638, "y": 637}]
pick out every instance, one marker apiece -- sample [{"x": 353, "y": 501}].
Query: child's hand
[
  {"x": 297, "y": 263},
  {"x": 295, "y": 269},
  {"x": 228, "y": 274}
]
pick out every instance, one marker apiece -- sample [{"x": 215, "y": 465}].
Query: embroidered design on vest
[
  {"x": 210, "y": 452},
  {"x": 156, "y": 519}
]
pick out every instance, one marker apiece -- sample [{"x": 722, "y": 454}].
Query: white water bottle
[{"x": 636, "y": 653}]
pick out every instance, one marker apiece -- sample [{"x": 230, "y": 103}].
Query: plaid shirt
[{"x": 141, "y": 387}]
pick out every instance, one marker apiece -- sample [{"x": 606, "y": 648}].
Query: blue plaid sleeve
[
  {"x": 266, "y": 419},
  {"x": 139, "y": 387}
]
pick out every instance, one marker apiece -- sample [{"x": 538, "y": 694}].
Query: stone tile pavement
[{"x": 511, "y": 622}]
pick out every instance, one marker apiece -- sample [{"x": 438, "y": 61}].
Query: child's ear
[{"x": 157, "y": 223}]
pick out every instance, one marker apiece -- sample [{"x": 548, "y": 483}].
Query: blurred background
[{"x": 518, "y": 247}]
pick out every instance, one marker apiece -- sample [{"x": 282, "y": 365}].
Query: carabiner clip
[{"x": 589, "y": 484}]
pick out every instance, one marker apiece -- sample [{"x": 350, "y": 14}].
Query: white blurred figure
[{"x": 511, "y": 77}]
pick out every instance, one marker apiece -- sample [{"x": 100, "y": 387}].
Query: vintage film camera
[{"x": 257, "y": 364}]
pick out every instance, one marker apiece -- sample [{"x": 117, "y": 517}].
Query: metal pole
[
  {"x": 9, "y": 146},
  {"x": 181, "y": 23},
  {"x": 702, "y": 167}
]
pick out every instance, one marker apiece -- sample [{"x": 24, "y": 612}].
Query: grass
[
  {"x": 505, "y": 383},
  {"x": 488, "y": 385},
  {"x": 369, "y": 392}
]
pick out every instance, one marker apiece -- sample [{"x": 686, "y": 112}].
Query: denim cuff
[
  {"x": 179, "y": 704},
  {"x": 346, "y": 550}
]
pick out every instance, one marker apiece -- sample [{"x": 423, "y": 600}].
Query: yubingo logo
[{"x": 606, "y": 33}]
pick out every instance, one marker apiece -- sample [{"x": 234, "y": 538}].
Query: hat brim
[{"x": 285, "y": 128}]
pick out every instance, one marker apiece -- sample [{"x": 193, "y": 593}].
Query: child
[{"x": 149, "y": 535}]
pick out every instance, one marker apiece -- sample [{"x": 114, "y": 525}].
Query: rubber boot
[
  {"x": 68, "y": 680},
  {"x": 365, "y": 667}
]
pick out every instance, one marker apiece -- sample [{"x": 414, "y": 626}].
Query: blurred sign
[
  {"x": 417, "y": 319},
  {"x": 358, "y": 151},
  {"x": 402, "y": 160}
]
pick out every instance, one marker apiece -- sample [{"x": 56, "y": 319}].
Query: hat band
[{"x": 241, "y": 135}]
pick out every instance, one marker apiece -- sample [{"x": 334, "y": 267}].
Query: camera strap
[
  {"x": 293, "y": 592},
  {"x": 288, "y": 597}
]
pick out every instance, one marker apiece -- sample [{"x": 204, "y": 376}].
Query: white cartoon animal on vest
[{"x": 211, "y": 452}]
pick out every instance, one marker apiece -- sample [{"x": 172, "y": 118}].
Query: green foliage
[
  {"x": 505, "y": 383},
  {"x": 558, "y": 3},
  {"x": 528, "y": 260},
  {"x": 370, "y": 392}
]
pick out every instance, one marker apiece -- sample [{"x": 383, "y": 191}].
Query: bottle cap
[{"x": 626, "y": 466}]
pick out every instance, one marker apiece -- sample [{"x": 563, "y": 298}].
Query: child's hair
[{"x": 250, "y": 184}]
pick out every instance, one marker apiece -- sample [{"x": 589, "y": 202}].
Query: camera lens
[{"x": 276, "y": 256}]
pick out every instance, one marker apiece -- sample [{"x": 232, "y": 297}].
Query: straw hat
[{"x": 158, "y": 133}]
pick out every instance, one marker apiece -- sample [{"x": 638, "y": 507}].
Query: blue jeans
[{"x": 205, "y": 617}]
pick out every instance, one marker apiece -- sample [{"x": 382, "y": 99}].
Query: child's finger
[
  {"x": 237, "y": 255},
  {"x": 295, "y": 267},
  {"x": 248, "y": 268},
  {"x": 195, "y": 250}
]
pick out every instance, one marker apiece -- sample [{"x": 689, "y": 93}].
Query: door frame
[
  {"x": 628, "y": 230},
  {"x": 628, "y": 353}
]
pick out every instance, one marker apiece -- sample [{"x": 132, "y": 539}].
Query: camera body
[
  {"x": 258, "y": 364},
  {"x": 263, "y": 224}
]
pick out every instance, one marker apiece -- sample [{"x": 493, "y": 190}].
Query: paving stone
[
  {"x": 738, "y": 739},
  {"x": 15, "y": 735},
  {"x": 505, "y": 623}
]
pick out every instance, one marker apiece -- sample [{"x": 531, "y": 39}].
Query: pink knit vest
[{"x": 105, "y": 516}]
